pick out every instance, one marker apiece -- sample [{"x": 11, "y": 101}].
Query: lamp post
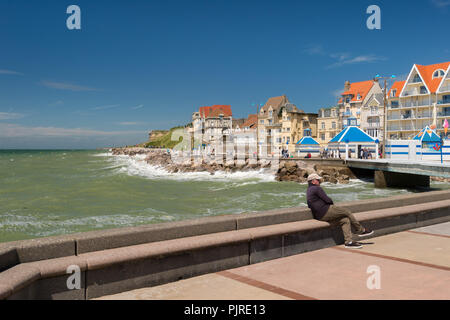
[{"x": 384, "y": 110}]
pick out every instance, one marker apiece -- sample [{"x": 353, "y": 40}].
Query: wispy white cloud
[
  {"x": 9, "y": 130},
  {"x": 344, "y": 60},
  {"x": 4, "y": 71},
  {"x": 341, "y": 58},
  {"x": 10, "y": 116},
  {"x": 137, "y": 107},
  {"x": 315, "y": 49},
  {"x": 110, "y": 106},
  {"x": 66, "y": 86},
  {"x": 441, "y": 3}
]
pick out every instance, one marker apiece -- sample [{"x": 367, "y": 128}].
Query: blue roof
[
  {"x": 307, "y": 140},
  {"x": 352, "y": 134},
  {"x": 427, "y": 135}
]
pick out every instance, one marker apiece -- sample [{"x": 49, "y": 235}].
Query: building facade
[
  {"x": 354, "y": 97},
  {"x": 212, "y": 125},
  {"x": 282, "y": 124},
  {"x": 423, "y": 99},
  {"x": 329, "y": 124}
]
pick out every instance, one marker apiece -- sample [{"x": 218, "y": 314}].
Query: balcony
[
  {"x": 441, "y": 102},
  {"x": 424, "y": 115},
  {"x": 444, "y": 113},
  {"x": 373, "y": 125},
  {"x": 393, "y": 117},
  {"x": 445, "y": 88}
]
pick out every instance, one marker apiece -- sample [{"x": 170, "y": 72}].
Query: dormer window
[
  {"x": 359, "y": 96},
  {"x": 394, "y": 93},
  {"x": 438, "y": 73}
]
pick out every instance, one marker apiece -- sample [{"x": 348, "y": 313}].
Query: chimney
[{"x": 347, "y": 85}]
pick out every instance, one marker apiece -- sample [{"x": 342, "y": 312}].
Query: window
[
  {"x": 288, "y": 139},
  {"x": 322, "y": 136},
  {"x": 323, "y": 125},
  {"x": 416, "y": 79},
  {"x": 333, "y": 125},
  {"x": 261, "y": 121},
  {"x": 270, "y": 113},
  {"x": 359, "y": 97},
  {"x": 270, "y": 121},
  {"x": 394, "y": 93},
  {"x": 288, "y": 129},
  {"x": 438, "y": 73},
  {"x": 394, "y": 104},
  {"x": 423, "y": 90}
]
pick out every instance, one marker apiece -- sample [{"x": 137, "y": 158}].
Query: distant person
[
  {"x": 323, "y": 209},
  {"x": 308, "y": 156}
]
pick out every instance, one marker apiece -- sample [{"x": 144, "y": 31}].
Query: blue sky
[{"x": 139, "y": 65}]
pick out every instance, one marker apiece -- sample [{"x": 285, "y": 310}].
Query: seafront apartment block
[
  {"x": 422, "y": 99},
  {"x": 360, "y": 105},
  {"x": 283, "y": 124},
  {"x": 329, "y": 124}
]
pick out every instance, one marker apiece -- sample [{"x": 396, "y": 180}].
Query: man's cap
[{"x": 313, "y": 176}]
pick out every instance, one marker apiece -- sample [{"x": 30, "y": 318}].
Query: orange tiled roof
[
  {"x": 251, "y": 121},
  {"x": 397, "y": 85},
  {"x": 215, "y": 110},
  {"x": 426, "y": 73},
  {"x": 356, "y": 88}
]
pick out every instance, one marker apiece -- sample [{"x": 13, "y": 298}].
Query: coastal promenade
[
  {"x": 108, "y": 262},
  {"x": 412, "y": 264}
]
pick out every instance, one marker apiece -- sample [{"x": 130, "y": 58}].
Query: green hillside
[{"x": 165, "y": 141}]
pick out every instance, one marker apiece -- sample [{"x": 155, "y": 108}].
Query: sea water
[{"x": 53, "y": 192}]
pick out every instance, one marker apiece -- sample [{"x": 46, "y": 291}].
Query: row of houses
[{"x": 423, "y": 99}]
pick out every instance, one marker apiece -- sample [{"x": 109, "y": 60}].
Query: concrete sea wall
[{"x": 116, "y": 260}]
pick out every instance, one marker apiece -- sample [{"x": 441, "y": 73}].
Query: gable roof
[
  {"x": 397, "y": 85},
  {"x": 352, "y": 134},
  {"x": 427, "y": 135},
  {"x": 307, "y": 141},
  {"x": 291, "y": 108},
  {"x": 251, "y": 121},
  {"x": 426, "y": 73},
  {"x": 362, "y": 88},
  {"x": 275, "y": 102},
  {"x": 215, "y": 110}
]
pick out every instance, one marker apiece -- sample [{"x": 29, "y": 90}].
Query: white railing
[{"x": 445, "y": 88}]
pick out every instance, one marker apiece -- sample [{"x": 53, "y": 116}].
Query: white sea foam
[{"x": 136, "y": 166}]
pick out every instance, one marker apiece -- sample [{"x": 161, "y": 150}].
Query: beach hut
[
  {"x": 307, "y": 145},
  {"x": 429, "y": 143},
  {"x": 354, "y": 139}
]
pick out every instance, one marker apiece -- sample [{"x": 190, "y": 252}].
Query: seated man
[{"x": 323, "y": 209}]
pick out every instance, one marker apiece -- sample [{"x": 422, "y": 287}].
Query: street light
[{"x": 384, "y": 109}]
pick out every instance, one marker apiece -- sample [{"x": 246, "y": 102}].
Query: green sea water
[{"x": 48, "y": 192}]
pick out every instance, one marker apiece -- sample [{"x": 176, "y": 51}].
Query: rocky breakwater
[
  {"x": 295, "y": 171},
  {"x": 298, "y": 171}
]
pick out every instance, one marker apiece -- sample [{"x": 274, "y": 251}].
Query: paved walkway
[{"x": 413, "y": 264}]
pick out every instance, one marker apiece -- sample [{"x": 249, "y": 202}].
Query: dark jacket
[{"x": 317, "y": 201}]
